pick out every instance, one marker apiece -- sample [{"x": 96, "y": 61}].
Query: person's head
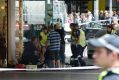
[
  {"x": 109, "y": 28},
  {"x": 101, "y": 12},
  {"x": 105, "y": 57},
  {"x": 114, "y": 12},
  {"x": 57, "y": 26},
  {"x": 106, "y": 14},
  {"x": 89, "y": 13},
  {"x": 70, "y": 16},
  {"x": 72, "y": 25},
  {"x": 77, "y": 15},
  {"x": 83, "y": 16},
  {"x": 106, "y": 53},
  {"x": 45, "y": 30},
  {"x": 74, "y": 12}
]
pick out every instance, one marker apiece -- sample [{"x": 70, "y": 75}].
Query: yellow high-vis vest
[
  {"x": 82, "y": 40},
  {"x": 44, "y": 38},
  {"x": 114, "y": 32}
]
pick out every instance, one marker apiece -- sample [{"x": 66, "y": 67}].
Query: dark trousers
[
  {"x": 77, "y": 50},
  {"x": 62, "y": 53}
]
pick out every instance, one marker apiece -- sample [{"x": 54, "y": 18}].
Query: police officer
[
  {"x": 106, "y": 55},
  {"x": 78, "y": 44}
]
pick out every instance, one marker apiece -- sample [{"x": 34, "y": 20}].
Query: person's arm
[
  {"x": 78, "y": 39},
  {"x": 78, "y": 36},
  {"x": 59, "y": 37},
  {"x": 63, "y": 31},
  {"x": 48, "y": 41}
]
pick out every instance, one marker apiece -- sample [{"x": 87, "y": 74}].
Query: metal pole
[
  {"x": 11, "y": 31},
  {"x": 96, "y": 9},
  {"x": 52, "y": 10},
  {"x": 110, "y": 9},
  {"x": 45, "y": 12},
  {"x": 48, "y": 10},
  {"x": 20, "y": 27}
]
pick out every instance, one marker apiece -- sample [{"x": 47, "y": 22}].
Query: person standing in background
[
  {"x": 111, "y": 30},
  {"x": 61, "y": 31},
  {"x": 101, "y": 15},
  {"x": 54, "y": 48},
  {"x": 43, "y": 41}
]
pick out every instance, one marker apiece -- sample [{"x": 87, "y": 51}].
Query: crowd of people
[
  {"x": 48, "y": 49},
  {"x": 79, "y": 18},
  {"x": 106, "y": 15},
  {"x": 89, "y": 16}
]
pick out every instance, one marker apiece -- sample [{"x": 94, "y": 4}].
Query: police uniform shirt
[
  {"x": 112, "y": 74},
  {"x": 112, "y": 77}
]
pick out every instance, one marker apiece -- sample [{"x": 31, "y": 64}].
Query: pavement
[{"x": 60, "y": 75}]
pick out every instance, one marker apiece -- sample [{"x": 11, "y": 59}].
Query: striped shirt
[{"x": 54, "y": 40}]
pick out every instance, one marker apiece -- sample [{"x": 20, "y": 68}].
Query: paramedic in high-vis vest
[
  {"x": 78, "y": 43},
  {"x": 106, "y": 55},
  {"x": 111, "y": 29}
]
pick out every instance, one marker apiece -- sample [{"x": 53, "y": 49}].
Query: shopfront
[{"x": 3, "y": 32}]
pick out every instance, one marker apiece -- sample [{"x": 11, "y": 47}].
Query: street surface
[{"x": 60, "y": 75}]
